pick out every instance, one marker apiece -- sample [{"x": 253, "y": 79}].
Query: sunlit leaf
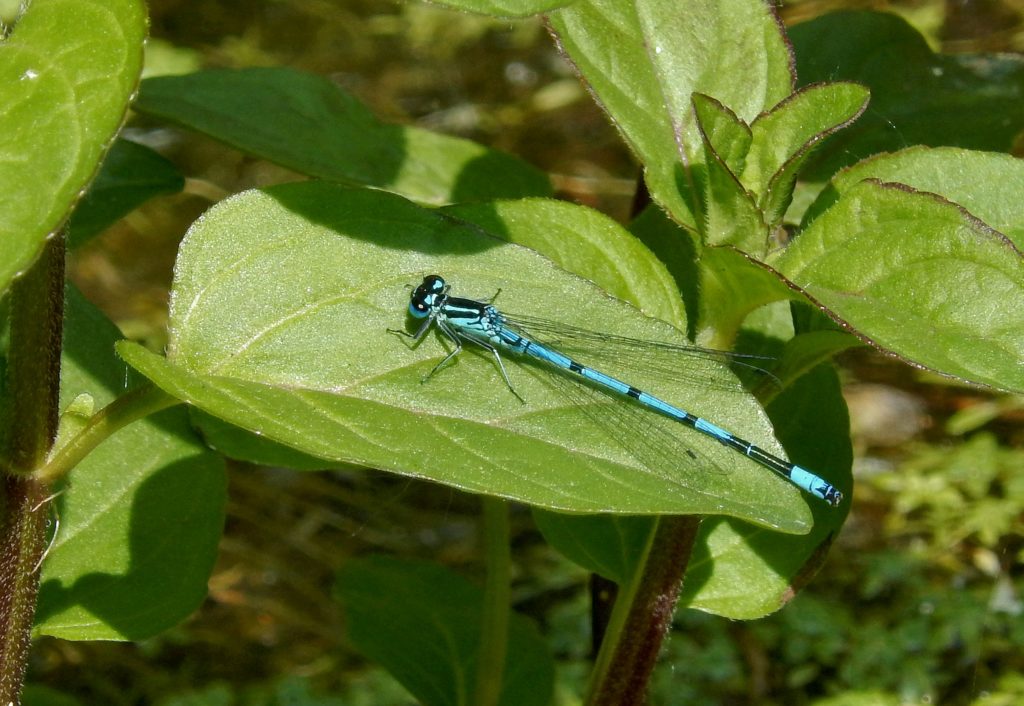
[
  {"x": 280, "y": 311},
  {"x": 587, "y": 243},
  {"x": 67, "y": 71},
  {"x": 919, "y": 276},
  {"x": 644, "y": 60},
  {"x": 785, "y": 136},
  {"x": 505, "y": 8},
  {"x": 987, "y": 184}
]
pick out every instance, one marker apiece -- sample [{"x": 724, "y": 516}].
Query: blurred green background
[{"x": 918, "y": 602}]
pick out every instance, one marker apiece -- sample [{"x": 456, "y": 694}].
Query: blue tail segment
[{"x": 466, "y": 319}]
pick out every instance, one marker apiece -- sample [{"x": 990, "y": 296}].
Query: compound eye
[
  {"x": 419, "y": 307},
  {"x": 425, "y": 297},
  {"x": 433, "y": 283}
]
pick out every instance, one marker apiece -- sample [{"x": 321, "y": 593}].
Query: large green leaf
[
  {"x": 141, "y": 516},
  {"x": 917, "y": 96},
  {"x": 67, "y": 72},
  {"x": 578, "y": 239},
  {"x": 587, "y": 243},
  {"x": 918, "y": 275},
  {"x": 737, "y": 570},
  {"x": 422, "y": 622},
  {"x": 644, "y": 59},
  {"x": 306, "y": 123},
  {"x": 279, "y": 314},
  {"x": 987, "y": 184}
]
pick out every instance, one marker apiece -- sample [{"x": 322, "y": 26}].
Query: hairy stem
[
  {"x": 642, "y": 616},
  {"x": 30, "y": 419}
]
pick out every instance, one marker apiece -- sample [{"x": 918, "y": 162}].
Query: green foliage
[
  {"x": 422, "y": 622},
  {"x": 59, "y": 113},
  {"x": 915, "y": 607},
  {"x": 644, "y": 61},
  {"x": 928, "y": 251},
  {"x": 973, "y": 495},
  {"x": 130, "y": 175},
  {"x": 931, "y": 596},
  {"x": 153, "y": 483},
  {"x": 308, "y": 124},
  {"x": 253, "y": 355},
  {"x": 282, "y": 299},
  {"x": 917, "y": 97}
]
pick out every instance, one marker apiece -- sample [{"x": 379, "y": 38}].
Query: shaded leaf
[
  {"x": 130, "y": 175},
  {"x": 141, "y": 516},
  {"x": 917, "y": 96},
  {"x": 306, "y": 123},
  {"x": 422, "y": 623},
  {"x": 608, "y": 545},
  {"x": 38, "y": 695},
  {"x": 801, "y": 354}
]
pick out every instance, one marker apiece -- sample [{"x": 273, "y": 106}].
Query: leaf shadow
[
  {"x": 159, "y": 587},
  {"x": 387, "y": 220}
]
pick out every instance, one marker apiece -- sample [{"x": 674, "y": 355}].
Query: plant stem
[
  {"x": 497, "y": 594},
  {"x": 140, "y": 402},
  {"x": 642, "y": 616},
  {"x": 33, "y": 385}
]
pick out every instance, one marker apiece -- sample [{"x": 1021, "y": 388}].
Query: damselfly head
[{"x": 425, "y": 297}]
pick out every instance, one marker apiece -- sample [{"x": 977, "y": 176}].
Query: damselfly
[{"x": 483, "y": 324}]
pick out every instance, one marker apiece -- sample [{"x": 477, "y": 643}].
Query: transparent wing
[
  {"x": 654, "y": 440},
  {"x": 670, "y": 361}
]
